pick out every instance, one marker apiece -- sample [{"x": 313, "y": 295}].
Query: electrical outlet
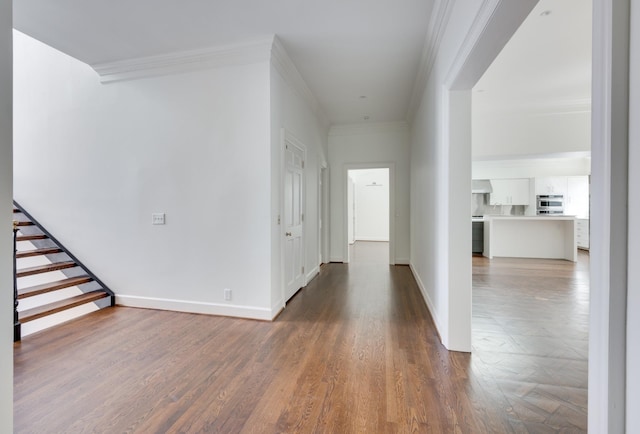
[
  {"x": 227, "y": 294},
  {"x": 157, "y": 218}
]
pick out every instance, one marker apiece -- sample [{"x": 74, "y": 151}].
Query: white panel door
[{"x": 293, "y": 219}]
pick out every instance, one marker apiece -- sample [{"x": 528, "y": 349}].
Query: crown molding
[
  {"x": 516, "y": 160},
  {"x": 284, "y": 65},
  {"x": 368, "y": 128},
  {"x": 536, "y": 108},
  {"x": 435, "y": 31},
  {"x": 242, "y": 53}
]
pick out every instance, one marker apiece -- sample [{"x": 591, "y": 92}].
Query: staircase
[{"x": 49, "y": 280}]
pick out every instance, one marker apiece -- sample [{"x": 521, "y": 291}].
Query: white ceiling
[
  {"x": 344, "y": 49},
  {"x": 545, "y": 65}
]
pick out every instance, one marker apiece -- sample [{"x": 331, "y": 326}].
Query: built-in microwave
[{"x": 550, "y": 204}]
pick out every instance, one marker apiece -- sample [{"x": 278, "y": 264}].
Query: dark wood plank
[
  {"x": 24, "y": 223},
  {"x": 52, "y": 286},
  {"x": 31, "y": 237},
  {"x": 58, "y": 306},
  {"x": 354, "y": 351},
  {"x": 37, "y": 252},
  {"x": 29, "y": 271}
]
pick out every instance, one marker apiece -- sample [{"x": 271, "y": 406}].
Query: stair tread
[
  {"x": 31, "y": 237},
  {"x": 44, "y": 268},
  {"x": 24, "y": 223},
  {"x": 58, "y": 306},
  {"x": 52, "y": 286},
  {"x": 36, "y": 252}
]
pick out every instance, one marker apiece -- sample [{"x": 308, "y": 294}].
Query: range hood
[{"x": 481, "y": 186}]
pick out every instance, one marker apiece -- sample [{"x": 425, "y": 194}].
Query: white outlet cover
[{"x": 157, "y": 218}]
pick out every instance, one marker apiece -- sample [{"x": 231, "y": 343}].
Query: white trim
[
  {"x": 524, "y": 159},
  {"x": 633, "y": 282},
  {"x": 284, "y": 65},
  {"x": 403, "y": 261},
  {"x": 485, "y": 39},
  {"x": 242, "y": 53},
  {"x": 435, "y": 30},
  {"x": 237, "y": 311},
  {"x": 543, "y": 108},
  {"x": 313, "y": 273},
  {"x": 392, "y": 205},
  {"x": 609, "y": 232},
  {"x": 430, "y": 306},
  {"x": 287, "y": 137},
  {"x": 375, "y": 239}
]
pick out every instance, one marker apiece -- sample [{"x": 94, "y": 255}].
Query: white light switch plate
[{"x": 157, "y": 218}]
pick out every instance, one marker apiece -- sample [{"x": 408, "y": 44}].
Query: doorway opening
[
  {"x": 518, "y": 141},
  {"x": 368, "y": 215}
]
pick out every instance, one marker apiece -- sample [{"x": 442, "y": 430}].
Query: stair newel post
[{"x": 16, "y": 321}]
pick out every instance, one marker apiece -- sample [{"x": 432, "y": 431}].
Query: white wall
[
  {"x": 441, "y": 160},
  {"x": 430, "y": 195},
  {"x": 6, "y": 240},
  {"x": 518, "y": 132},
  {"x": 371, "y": 204},
  {"x": 93, "y": 161},
  {"x": 531, "y": 168},
  {"x": 299, "y": 116},
  {"x": 369, "y": 144},
  {"x": 633, "y": 301}
]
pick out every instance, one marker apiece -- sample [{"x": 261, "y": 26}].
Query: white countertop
[{"x": 530, "y": 217}]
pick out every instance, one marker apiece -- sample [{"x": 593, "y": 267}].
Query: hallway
[{"x": 354, "y": 352}]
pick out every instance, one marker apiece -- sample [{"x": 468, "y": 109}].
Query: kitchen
[
  {"x": 531, "y": 124},
  {"x": 537, "y": 217}
]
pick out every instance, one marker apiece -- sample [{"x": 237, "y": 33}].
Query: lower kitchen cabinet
[
  {"x": 477, "y": 241},
  {"x": 582, "y": 233}
]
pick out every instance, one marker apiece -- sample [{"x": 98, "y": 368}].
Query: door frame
[
  {"x": 609, "y": 182},
  {"x": 392, "y": 206},
  {"x": 287, "y": 137},
  {"x": 323, "y": 215}
]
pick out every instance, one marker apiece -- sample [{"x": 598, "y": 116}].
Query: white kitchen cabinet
[
  {"x": 551, "y": 185},
  {"x": 582, "y": 233},
  {"x": 510, "y": 192},
  {"x": 576, "y": 201}
]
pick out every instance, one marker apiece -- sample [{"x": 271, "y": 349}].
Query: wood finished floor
[{"x": 354, "y": 352}]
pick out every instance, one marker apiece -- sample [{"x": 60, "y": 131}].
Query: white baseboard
[
  {"x": 429, "y": 303},
  {"x": 383, "y": 240},
  {"x": 313, "y": 273},
  {"x": 336, "y": 259},
  {"x": 402, "y": 261},
  {"x": 250, "y": 312}
]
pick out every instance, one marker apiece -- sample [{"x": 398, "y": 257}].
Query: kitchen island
[{"x": 549, "y": 237}]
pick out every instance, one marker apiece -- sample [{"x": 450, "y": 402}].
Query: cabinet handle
[{"x": 288, "y": 234}]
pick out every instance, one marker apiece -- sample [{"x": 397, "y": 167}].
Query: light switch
[{"x": 157, "y": 218}]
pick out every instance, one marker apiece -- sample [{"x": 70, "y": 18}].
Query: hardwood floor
[{"x": 354, "y": 352}]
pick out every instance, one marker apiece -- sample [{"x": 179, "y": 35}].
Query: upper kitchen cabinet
[
  {"x": 510, "y": 192},
  {"x": 551, "y": 185},
  {"x": 575, "y": 190}
]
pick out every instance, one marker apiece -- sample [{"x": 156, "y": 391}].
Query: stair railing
[{"x": 16, "y": 320}]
